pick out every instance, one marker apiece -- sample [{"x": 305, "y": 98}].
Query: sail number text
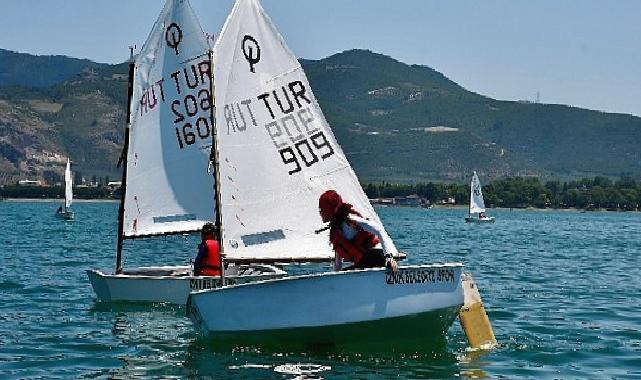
[
  {"x": 308, "y": 153},
  {"x": 186, "y": 92},
  {"x": 188, "y": 108},
  {"x": 293, "y": 128},
  {"x": 420, "y": 276},
  {"x": 299, "y": 139}
]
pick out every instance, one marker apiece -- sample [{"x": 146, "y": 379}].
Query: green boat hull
[{"x": 422, "y": 332}]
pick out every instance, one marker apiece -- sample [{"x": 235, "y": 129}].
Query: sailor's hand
[{"x": 391, "y": 264}]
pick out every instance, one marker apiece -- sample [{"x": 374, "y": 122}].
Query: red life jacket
[
  {"x": 210, "y": 263},
  {"x": 352, "y": 250}
]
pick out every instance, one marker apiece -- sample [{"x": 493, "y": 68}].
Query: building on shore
[
  {"x": 30, "y": 182},
  {"x": 402, "y": 201},
  {"x": 114, "y": 185}
]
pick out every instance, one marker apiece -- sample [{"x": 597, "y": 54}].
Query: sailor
[
  {"x": 208, "y": 260},
  {"x": 353, "y": 237}
]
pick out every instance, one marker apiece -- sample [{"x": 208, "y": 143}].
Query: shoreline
[
  {"x": 489, "y": 210},
  {"x": 444, "y": 207},
  {"x": 58, "y": 200}
]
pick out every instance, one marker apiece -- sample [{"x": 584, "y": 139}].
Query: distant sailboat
[
  {"x": 166, "y": 188},
  {"x": 477, "y": 205},
  {"x": 65, "y": 212}
]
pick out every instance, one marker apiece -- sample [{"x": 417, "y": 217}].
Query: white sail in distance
[
  {"x": 168, "y": 189},
  {"x": 277, "y": 151},
  {"x": 68, "y": 186},
  {"x": 477, "y": 205}
]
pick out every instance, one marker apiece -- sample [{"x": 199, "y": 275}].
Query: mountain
[
  {"x": 407, "y": 122},
  {"x": 396, "y": 122},
  {"x": 20, "y": 69},
  {"x": 81, "y": 115}
]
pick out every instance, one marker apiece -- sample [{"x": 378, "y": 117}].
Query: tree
[
  {"x": 582, "y": 199},
  {"x": 630, "y": 196},
  {"x": 615, "y": 199},
  {"x": 569, "y": 197},
  {"x": 554, "y": 189},
  {"x": 626, "y": 182},
  {"x": 542, "y": 200},
  {"x": 77, "y": 178},
  {"x": 598, "y": 196},
  {"x": 371, "y": 191},
  {"x": 603, "y": 182}
]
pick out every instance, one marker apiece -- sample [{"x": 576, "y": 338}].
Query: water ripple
[{"x": 561, "y": 289}]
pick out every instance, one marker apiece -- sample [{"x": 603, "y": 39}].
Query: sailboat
[
  {"x": 65, "y": 212},
  {"x": 276, "y": 154},
  {"x": 166, "y": 187},
  {"x": 477, "y": 205}
]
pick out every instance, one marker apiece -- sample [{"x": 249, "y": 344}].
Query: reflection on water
[
  {"x": 160, "y": 341},
  {"x": 302, "y": 370}
]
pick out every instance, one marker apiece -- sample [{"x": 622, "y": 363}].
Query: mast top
[{"x": 132, "y": 49}]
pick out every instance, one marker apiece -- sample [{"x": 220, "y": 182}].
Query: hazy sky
[{"x": 579, "y": 52}]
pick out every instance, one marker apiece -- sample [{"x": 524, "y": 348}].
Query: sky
[{"x": 584, "y": 53}]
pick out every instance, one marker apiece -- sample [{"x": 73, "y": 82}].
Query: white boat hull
[
  {"x": 486, "y": 219},
  {"x": 332, "y": 299},
  {"x": 66, "y": 215},
  {"x": 170, "y": 284}
]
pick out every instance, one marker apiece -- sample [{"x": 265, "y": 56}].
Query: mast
[
  {"x": 123, "y": 161},
  {"x": 215, "y": 161}
]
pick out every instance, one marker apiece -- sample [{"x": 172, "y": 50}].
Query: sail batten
[
  {"x": 168, "y": 187},
  {"x": 277, "y": 151}
]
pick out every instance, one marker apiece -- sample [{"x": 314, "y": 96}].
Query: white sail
[
  {"x": 168, "y": 189},
  {"x": 277, "y": 151},
  {"x": 477, "y": 205},
  {"x": 68, "y": 186}
]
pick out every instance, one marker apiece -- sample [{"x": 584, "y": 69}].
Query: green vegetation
[
  {"x": 395, "y": 122},
  {"x": 19, "y": 69},
  {"x": 82, "y": 117},
  {"x": 521, "y": 192},
  {"x": 511, "y": 192},
  {"x": 383, "y": 132}
]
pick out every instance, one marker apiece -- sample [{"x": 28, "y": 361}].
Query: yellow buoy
[{"x": 473, "y": 317}]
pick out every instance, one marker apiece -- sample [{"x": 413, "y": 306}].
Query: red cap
[{"x": 329, "y": 202}]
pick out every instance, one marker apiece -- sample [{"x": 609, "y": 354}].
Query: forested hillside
[{"x": 396, "y": 122}]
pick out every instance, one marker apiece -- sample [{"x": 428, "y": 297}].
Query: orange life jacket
[
  {"x": 352, "y": 250},
  {"x": 209, "y": 265}
]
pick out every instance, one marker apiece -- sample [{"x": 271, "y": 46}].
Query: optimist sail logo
[
  {"x": 251, "y": 51},
  {"x": 173, "y": 36}
]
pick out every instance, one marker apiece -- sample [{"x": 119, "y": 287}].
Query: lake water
[{"x": 562, "y": 289}]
